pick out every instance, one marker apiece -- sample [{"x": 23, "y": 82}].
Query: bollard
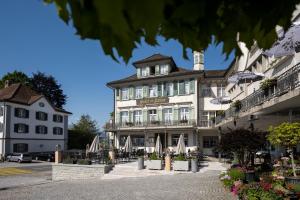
[
  {"x": 195, "y": 165},
  {"x": 140, "y": 163},
  {"x": 168, "y": 163}
]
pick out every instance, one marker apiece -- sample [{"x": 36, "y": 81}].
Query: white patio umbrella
[
  {"x": 181, "y": 145},
  {"x": 245, "y": 76},
  {"x": 287, "y": 44},
  {"x": 220, "y": 100},
  {"x": 158, "y": 146},
  {"x": 95, "y": 147},
  {"x": 128, "y": 145}
]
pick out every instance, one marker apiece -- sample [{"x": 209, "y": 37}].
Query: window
[
  {"x": 175, "y": 138},
  {"x": 20, "y": 148},
  {"x": 152, "y": 115},
  {"x": 145, "y": 72},
  {"x": 164, "y": 69},
  {"x": 184, "y": 113},
  {"x": 122, "y": 140},
  {"x": 138, "y": 140},
  {"x": 41, "y": 129},
  {"x": 41, "y": 116},
  {"x": 21, "y": 128},
  {"x": 153, "y": 91},
  {"x": 21, "y": 113},
  {"x": 1, "y": 111},
  {"x": 168, "y": 115},
  {"x": 138, "y": 117},
  {"x": 57, "y": 118},
  {"x": 125, "y": 93},
  {"x": 139, "y": 92},
  {"x": 152, "y": 70},
  {"x": 206, "y": 118},
  {"x": 57, "y": 131},
  {"x": 206, "y": 91},
  {"x": 210, "y": 141},
  {"x": 124, "y": 117},
  {"x": 169, "y": 89},
  {"x": 181, "y": 88},
  {"x": 220, "y": 90},
  {"x": 187, "y": 87},
  {"x": 1, "y": 127}
]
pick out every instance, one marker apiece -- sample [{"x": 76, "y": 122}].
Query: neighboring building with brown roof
[
  {"x": 162, "y": 99},
  {"x": 29, "y": 122}
]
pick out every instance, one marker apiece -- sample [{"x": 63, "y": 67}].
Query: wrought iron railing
[
  {"x": 206, "y": 123},
  {"x": 189, "y": 122},
  {"x": 285, "y": 82}
]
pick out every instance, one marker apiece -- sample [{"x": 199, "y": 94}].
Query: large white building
[
  {"x": 166, "y": 100},
  {"x": 29, "y": 123}
]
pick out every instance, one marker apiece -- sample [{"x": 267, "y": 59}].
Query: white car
[{"x": 19, "y": 157}]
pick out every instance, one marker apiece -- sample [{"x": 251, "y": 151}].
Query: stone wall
[{"x": 70, "y": 171}]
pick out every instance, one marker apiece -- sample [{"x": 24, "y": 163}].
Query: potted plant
[
  {"x": 267, "y": 84},
  {"x": 287, "y": 135},
  {"x": 129, "y": 124},
  {"x": 237, "y": 105},
  {"x": 181, "y": 163},
  {"x": 213, "y": 120},
  {"x": 154, "y": 162},
  {"x": 155, "y": 122},
  {"x": 220, "y": 113}
]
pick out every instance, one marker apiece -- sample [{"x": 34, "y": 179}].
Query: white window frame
[
  {"x": 184, "y": 113},
  {"x": 125, "y": 93},
  {"x": 139, "y": 92},
  {"x": 138, "y": 116},
  {"x": 153, "y": 90},
  {"x": 163, "y": 69},
  {"x": 221, "y": 90},
  {"x": 187, "y": 87},
  {"x": 124, "y": 117},
  {"x": 152, "y": 115},
  {"x": 144, "y": 72},
  {"x": 169, "y": 89},
  {"x": 168, "y": 115}
]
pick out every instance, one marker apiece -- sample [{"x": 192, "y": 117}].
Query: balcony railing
[
  {"x": 189, "y": 122},
  {"x": 206, "y": 123},
  {"x": 286, "y": 82}
]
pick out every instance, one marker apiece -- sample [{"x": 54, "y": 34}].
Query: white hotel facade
[
  {"x": 29, "y": 123},
  {"x": 166, "y": 100}
]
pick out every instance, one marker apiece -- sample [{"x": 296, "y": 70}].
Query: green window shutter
[
  {"x": 118, "y": 117},
  {"x": 130, "y": 117},
  {"x": 145, "y": 91},
  {"x": 191, "y": 112},
  {"x": 145, "y": 118},
  {"x": 118, "y": 94},
  {"x": 138, "y": 72},
  {"x": 164, "y": 89},
  {"x": 131, "y": 93},
  {"x": 181, "y": 88},
  {"x": 159, "y": 114},
  {"x": 175, "y": 114},
  {"x": 156, "y": 69},
  {"x": 159, "y": 90},
  {"x": 192, "y": 86},
  {"x": 175, "y": 88}
]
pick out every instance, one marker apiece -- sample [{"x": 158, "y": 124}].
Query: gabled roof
[
  {"x": 154, "y": 57},
  {"x": 21, "y": 94}
]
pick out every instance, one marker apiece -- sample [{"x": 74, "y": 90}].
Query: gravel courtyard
[{"x": 178, "y": 186}]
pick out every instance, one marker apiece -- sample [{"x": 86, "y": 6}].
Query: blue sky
[{"x": 33, "y": 38}]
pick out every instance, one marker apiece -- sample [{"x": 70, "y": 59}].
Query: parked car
[
  {"x": 19, "y": 157},
  {"x": 44, "y": 157}
]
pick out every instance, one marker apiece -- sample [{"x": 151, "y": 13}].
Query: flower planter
[
  {"x": 292, "y": 180},
  {"x": 250, "y": 176},
  {"x": 154, "y": 164},
  {"x": 181, "y": 165},
  {"x": 140, "y": 163}
]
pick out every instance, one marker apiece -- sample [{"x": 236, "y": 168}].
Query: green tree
[
  {"x": 287, "y": 135},
  {"x": 48, "y": 86},
  {"x": 86, "y": 124},
  {"x": 79, "y": 139},
  {"x": 121, "y": 25},
  {"x": 15, "y": 77},
  {"x": 242, "y": 142}
]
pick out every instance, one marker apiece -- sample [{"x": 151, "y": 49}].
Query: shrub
[
  {"x": 69, "y": 160},
  {"x": 84, "y": 162},
  {"x": 154, "y": 156},
  {"x": 236, "y": 174},
  {"x": 180, "y": 157}
]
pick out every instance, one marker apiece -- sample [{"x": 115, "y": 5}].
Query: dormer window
[
  {"x": 152, "y": 70},
  {"x": 164, "y": 69},
  {"x": 145, "y": 72}
]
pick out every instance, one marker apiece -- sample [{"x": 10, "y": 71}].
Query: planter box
[
  {"x": 154, "y": 164},
  {"x": 292, "y": 180},
  {"x": 181, "y": 165}
]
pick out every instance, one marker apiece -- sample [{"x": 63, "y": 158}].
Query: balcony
[
  {"x": 206, "y": 124},
  {"x": 286, "y": 82},
  {"x": 147, "y": 124}
]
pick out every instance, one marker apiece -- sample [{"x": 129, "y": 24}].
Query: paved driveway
[{"x": 184, "y": 186}]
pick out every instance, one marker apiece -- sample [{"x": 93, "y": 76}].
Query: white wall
[{"x": 38, "y": 145}]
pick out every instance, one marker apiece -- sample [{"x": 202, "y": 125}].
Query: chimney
[
  {"x": 198, "y": 60},
  {"x": 6, "y": 83}
]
